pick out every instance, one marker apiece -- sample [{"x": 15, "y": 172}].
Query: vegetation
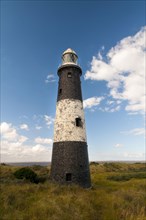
[
  {"x": 126, "y": 177},
  {"x": 26, "y": 173},
  {"x": 117, "y": 193}
]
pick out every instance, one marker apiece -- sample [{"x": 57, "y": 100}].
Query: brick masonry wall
[
  {"x": 70, "y": 87},
  {"x": 65, "y": 128},
  {"x": 71, "y": 157}
]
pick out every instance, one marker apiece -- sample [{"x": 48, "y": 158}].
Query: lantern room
[{"x": 69, "y": 56}]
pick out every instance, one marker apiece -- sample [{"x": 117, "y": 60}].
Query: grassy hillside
[{"x": 118, "y": 193}]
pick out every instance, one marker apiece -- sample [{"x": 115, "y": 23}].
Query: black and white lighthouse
[{"x": 70, "y": 162}]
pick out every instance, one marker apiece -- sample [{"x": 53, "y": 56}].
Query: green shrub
[
  {"x": 37, "y": 167},
  {"x": 111, "y": 166},
  {"x": 126, "y": 177},
  {"x": 94, "y": 163},
  {"x": 3, "y": 164},
  {"x": 26, "y": 173}
]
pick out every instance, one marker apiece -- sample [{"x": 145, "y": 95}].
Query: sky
[{"x": 109, "y": 38}]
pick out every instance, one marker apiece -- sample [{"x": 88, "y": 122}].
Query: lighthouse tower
[{"x": 70, "y": 156}]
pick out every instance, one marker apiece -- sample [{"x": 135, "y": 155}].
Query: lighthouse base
[{"x": 70, "y": 164}]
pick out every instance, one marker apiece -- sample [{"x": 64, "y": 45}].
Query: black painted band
[
  {"x": 70, "y": 157},
  {"x": 75, "y": 66},
  {"x": 69, "y": 83}
]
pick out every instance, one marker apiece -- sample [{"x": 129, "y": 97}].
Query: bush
[
  {"x": 26, "y": 173},
  {"x": 126, "y": 177},
  {"x": 94, "y": 163},
  {"x": 37, "y": 167},
  {"x": 110, "y": 167},
  {"x": 3, "y": 164}
]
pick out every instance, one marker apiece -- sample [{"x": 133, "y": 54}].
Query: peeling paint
[{"x": 65, "y": 129}]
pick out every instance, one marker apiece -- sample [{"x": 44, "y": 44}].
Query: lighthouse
[{"x": 70, "y": 164}]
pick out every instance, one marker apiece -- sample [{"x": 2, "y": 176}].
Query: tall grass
[{"x": 106, "y": 200}]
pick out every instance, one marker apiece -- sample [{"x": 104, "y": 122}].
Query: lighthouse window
[
  {"x": 60, "y": 91},
  {"x": 69, "y": 75},
  {"x": 78, "y": 122},
  {"x": 68, "y": 176}
]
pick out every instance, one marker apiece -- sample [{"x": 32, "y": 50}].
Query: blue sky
[{"x": 108, "y": 37}]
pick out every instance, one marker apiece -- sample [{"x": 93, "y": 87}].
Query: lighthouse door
[{"x": 68, "y": 176}]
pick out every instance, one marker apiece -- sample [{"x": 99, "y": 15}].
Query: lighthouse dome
[
  {"x": 69, "y": 56},
  {"x": 69, "y": 50}
]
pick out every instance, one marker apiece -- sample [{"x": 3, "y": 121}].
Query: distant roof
[{"x": 69, "y": 50}]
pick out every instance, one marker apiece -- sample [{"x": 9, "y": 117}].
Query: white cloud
[
  {"x": 38, "y": 148},
  {"x": 40, "y": 119},
  {"x": 124, "y": 71},
  {"x": 50, "y": 78},
  {"x": 40, "y": 140},
  {"x": 111, "y": 106},
  {"x": 92, "y": 102},
  {"x": 22, "y": 139},
  {"x": 7, "y": 131},
  {"x": 5, "y": 127},
  {"x": 134, "y": 155},
  {"x": 38, "y": 127},
  {"x": 49, "y": 120},
  {"x": 24, "y": 127},
  {"x": 110, "y": 109},
  {"x": 100, "y": 70},
  {"x": 18, "y": 152},
  {"x": 118, "y": 145},
  {"x": 119, "y": 155},
  {"x": 23, "y": 117},
  {"x": 110, "y": 102},
  {"x": 14, "y": 147},
  {"x": 135, "y": 131}
]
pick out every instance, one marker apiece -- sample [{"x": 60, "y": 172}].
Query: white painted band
[{"x": 65, "y": 128}]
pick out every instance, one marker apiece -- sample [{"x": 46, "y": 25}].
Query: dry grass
[{"x": 107, "y": 200}]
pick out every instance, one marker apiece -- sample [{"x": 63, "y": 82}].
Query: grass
[
  {"x": 128, "y": 176},
  {"x": 110, "y": 198}
]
